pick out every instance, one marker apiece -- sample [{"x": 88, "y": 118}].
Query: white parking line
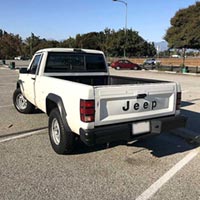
[
  {"x": 14, "y": 137},
  {"x": 147, "y": 194}
]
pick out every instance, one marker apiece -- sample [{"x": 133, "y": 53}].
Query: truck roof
[{"x": 69, "y": 50}]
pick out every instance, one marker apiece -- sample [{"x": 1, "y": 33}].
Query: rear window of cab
[{"x": 74, "y": 62}]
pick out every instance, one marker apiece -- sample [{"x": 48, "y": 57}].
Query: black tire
[
  {"x": 134, "y": 68},
  {"x": 21, "y": 104},
  {"x": 60, "y": 135},
  {"x": 117, "y": 68}
]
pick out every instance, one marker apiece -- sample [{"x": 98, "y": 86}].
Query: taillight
[
  {"x": 87, "y": 110},
  {"x": 178, "y": 101}
]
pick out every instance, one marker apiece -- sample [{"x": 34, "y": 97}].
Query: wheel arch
[
  {"x": 19, "y": 84},
  {"x": 55, "y": 101}
]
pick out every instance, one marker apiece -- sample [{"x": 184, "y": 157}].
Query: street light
[{"x": 125, "y": 30}]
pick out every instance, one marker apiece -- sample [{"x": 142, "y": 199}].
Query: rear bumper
[{"x": 111, "y": 133}]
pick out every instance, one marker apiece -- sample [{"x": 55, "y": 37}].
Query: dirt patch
[{"x": 193, "y": 62}]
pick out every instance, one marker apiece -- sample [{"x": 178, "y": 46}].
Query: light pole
[{"x": 125, "y": 30}]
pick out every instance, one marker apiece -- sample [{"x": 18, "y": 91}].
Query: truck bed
[{"x": 107, "y": 80}]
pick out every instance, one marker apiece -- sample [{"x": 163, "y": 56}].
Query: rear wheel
[
  {"x": 21, "y": 103},
  {"x": 61, "y": 138},
  {"x": 118, "y": 68},
  {"x": 134, "y": 68}
]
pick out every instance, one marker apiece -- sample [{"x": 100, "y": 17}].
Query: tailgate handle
[{"x": 141, "y": 96}]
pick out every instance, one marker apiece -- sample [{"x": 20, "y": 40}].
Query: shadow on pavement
[
  {"x": 164, "y": 145},
  {"x": 186, "y": 103},
  {"x": 193, "y": 122},
  {"x": 160, "y": 146}
]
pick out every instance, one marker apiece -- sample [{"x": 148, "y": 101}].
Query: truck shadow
[
  {"x": 81, "y": 148},
  {"x": 164, "y": 145},
  {"x": 193, "y": 122},
  {"x": 186, "y": 103},
  {"x": 167, "y": 144},
  {"x": 160, "y": 146}
]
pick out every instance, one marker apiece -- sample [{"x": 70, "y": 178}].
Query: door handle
[
  {"x": 33, "y": 78},
  {"x": 141, "y": 96}
]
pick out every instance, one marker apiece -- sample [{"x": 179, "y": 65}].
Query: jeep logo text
[{"x": 136, "y": 106}]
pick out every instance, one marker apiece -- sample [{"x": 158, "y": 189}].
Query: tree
[
  {"x": 91, "y": 41},
  {"x": 69, "y": 43},
  {"x": 10, "y": 45},
  {"x": 110, "y": 41},
  {"x": 34, "y": 43},
  {"x": 185, "y": 29}
]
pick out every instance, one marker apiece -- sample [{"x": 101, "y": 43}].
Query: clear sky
[{"x": 59, "y": 19}]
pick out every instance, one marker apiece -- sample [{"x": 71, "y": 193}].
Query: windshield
[{"x": 74, "y": 62}]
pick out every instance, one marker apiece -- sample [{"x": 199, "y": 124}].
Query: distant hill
[{"x": 161, "y": 46}]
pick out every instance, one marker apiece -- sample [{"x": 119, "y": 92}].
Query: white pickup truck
[{"x": 74, "y": 88}]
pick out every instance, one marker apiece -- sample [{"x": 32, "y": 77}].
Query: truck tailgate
[{"x": 123, "y": 103}]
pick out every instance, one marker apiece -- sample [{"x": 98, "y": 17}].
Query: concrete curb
[
  {"x": 171, "y": 72},
  {"x": 187, "y": 134}
]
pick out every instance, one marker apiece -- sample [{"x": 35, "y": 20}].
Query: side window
[{"x": 35, "y": 64}]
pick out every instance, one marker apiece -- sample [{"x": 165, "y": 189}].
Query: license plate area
[{"x": 140, "y": 127}]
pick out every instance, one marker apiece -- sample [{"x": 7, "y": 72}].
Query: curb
[
  {"x": 173, "y": 72},
  {"x": 187, "y": 134}
]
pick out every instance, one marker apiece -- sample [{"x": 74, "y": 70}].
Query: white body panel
[{"x": 116, "y": 104}]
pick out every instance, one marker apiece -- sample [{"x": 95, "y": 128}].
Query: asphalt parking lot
[{"x": 162, "y": 167}]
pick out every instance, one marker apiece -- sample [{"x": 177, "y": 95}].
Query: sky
[{"x": 61, "y": 19}]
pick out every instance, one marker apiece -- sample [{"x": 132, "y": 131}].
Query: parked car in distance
[
  {"x": 18, "y": 58},
  {"x": 175, "y": 56},
  {"x": 151, "y": 61},
  {"x": 125, "y": 64}
]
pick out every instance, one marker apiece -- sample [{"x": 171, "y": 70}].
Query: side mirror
[{"x": 23, "y": 71}]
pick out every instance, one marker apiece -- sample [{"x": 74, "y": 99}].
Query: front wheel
[
  {"x": 21, "y": 103},
  {"x": 61, "y": 137}
]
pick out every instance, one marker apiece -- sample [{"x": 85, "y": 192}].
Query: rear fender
[{"x": 53, "y": 101}]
